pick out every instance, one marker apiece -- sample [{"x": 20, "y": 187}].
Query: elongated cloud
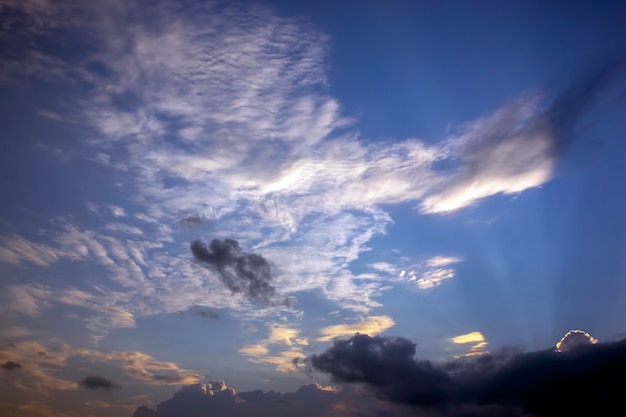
[
  {"x": 542, "y": 382},
  {"x": 143, "y": 367},
  {"x": 241, "y": 272},
  {"x": 371, "y": 325}
]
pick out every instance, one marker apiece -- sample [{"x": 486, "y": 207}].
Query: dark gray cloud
[
  {"x": 386, "y": 363},
  {"x": 10, "y": 365},
  {"x": 543, "y": 383},
  {"x": 98, "y": 382},
  {"x": 246, "y": 273}
]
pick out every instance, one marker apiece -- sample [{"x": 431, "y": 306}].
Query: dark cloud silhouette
[
  {"x": 241, "y": 272},
  {"x": 98, "y": 382},
  {"x": 10, "y": 365},
  {"x": 544, "y": 383},
  {"x": 215, "y": 399},
  {"x": 388, "y": 364}
]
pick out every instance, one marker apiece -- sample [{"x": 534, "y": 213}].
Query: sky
[{"x": 296, "y": 208}]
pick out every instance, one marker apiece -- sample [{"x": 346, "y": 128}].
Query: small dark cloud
[
  {"x": 98, "y": 382},
  {"x": 246, "y": 273},
  {"x": 204, "y": 312},
  {"x": 10, "y": 365},
  {"x": 543, "y": 383},
  {"x": 192, "y": 220}
]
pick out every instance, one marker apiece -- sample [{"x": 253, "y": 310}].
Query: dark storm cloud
[
  {"x": 98, "y": 382},
  {"x": 388, "y": 364},
  {"x": 542, "y": 383},
  {"x": 10, "y": 365},
  {"x": 246, "y": 273}
]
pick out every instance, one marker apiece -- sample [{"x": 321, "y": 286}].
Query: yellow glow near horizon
[{"x": 372, "y": 326}]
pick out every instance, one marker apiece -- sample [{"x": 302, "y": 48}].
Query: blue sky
[{"x": 203, "y": 191}]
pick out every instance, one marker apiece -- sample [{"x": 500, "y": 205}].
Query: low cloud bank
[{"x": 546, "y": 382}]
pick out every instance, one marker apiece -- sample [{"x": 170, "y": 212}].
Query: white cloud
[
  {"x": 505, "y": 153},
  {"x": 117, "y": 211},
  {"x": 441, "y": 261}
]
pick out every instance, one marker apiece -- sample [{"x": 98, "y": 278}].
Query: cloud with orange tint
[
  {"x": 271, "y": 350},
  {"x": 144, "y": 367}
]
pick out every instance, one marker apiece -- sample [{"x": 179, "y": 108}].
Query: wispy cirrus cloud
[
  {"x": 224, "y": 112},
  {"x": 143, "y": 367}
]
